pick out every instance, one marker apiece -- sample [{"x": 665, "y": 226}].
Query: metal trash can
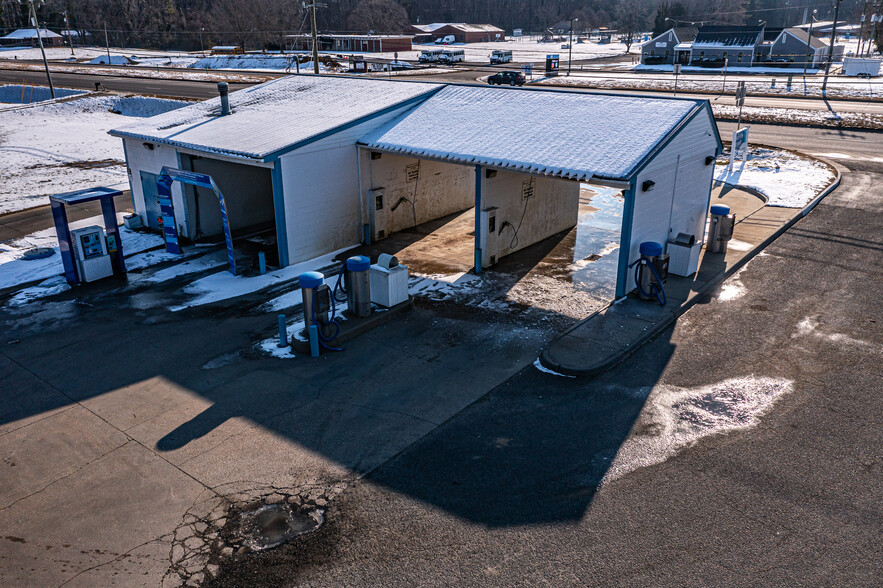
[
  {"x": 309, "y": 282},
  {"x": 358, "y": 286},
  {"x": 721, "y": 229}
]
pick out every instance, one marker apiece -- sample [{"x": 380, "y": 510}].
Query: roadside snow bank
[
  {"x": 114, "y": 60},
  {"x": 785, "y": 178},
  {"x": 269, "y": 61},
  {"x": 18, "y": 94}
]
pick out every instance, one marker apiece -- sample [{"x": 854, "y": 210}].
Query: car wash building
[{"x": 325, "y": 163}]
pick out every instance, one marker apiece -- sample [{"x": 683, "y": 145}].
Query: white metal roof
[
  {"x": 274, "y": 116},
  {"x": 30, "y": 34},
  {"x": 568, "y": 134}
]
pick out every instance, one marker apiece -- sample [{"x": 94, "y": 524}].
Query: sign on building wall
[
  {"x": 412, "y": 171},
  {"x": 527, "y": 188}
]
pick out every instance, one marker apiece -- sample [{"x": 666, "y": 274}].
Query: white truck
[
  {"x": 452, "y": 56},
  {"x": 498, "y": 57},
  {"x": 430, "y": 55},
  {"x": 446, "y": 40}
]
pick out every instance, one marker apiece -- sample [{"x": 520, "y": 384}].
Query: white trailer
[{"x": 856, "y": 66}]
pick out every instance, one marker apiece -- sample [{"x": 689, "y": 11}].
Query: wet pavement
[{"x": 571, "y": 274}]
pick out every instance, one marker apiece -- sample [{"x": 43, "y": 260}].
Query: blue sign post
[{"x": 164, "y": 189}]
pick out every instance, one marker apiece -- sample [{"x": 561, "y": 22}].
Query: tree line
[{"x": 256, "y": 24}]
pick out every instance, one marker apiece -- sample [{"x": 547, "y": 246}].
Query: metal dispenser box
[
  {"x": 91, "y": 254},
  {"x": 389, "y": 281}
]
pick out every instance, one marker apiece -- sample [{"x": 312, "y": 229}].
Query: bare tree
[
  {"x": 378, "y": 15},
  {"x": 631, "y": 17}
]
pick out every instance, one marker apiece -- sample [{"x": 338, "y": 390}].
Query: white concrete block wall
[
  {"x": 679, "y": 199},
  {"x": 554, "y": 207},
  {"x": 439, "y": 189},
  {"x": 321, "y": 192},
  {"x": 140, "y": 158}
]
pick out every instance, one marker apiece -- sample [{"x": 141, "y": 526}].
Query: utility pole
[
  {"x": 33, "y": 14},
  {"x": 570, "y": 45},
  {"x": 312, "y": 6},
  {"x": 808, "y": 48},
  {"x": 106, "y": 43},
  {"x": 70, "y": 38},
  {"x": 831, "y": 47}
]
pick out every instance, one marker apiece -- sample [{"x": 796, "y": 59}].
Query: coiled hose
[{"x": 656, "y": 289}]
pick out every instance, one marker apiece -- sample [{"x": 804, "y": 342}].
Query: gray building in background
[
  {"x": 794, "y": 47},
  {"x": 672, "y": 46},
  {"x": 740, "y": 46}
]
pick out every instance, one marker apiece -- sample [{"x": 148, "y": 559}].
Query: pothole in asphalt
[{"x": 265, "y": 526}]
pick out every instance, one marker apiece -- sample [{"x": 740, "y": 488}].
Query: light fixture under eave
[{"x": 648, "y": 185}]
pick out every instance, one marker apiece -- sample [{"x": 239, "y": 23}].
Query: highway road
[
  {"x": 175, "y": 88},
  {"x": 149, "y": 86}
]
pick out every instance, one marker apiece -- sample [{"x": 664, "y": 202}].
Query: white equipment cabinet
[
  {"x": 389, "y": 281},
  {"x": 90, "y": 253}
]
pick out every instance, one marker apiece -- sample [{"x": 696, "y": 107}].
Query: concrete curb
[{"x": 663, "y": 324}]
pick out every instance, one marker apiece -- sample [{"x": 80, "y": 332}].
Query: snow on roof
[
  {"x": 802, "y": 36},
  {"x": 30, "y": 34},
  {"x": 274, "y": 115},
  {"x": 573, "y": 135},
  {"x": 430, "y": 28},
  {"x": 728, "y": 36}
]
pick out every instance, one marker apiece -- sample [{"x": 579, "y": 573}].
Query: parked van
[
  {"x": 498, "y": 57},
  {"x": 446, "y": 40},
  {"x": 430, "y": 55},
  {"x": 452, "y": 56}
]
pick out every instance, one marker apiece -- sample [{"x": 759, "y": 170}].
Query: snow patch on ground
[
  {"x": 676, "y": 418},
  {"x": 60, "y": 147},
  {"x": 224, "y": 285},
  {"x": 537, "y": 364},
  {"x": 785, "y": 178}
]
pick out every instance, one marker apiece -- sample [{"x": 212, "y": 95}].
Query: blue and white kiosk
[{"x": 88, "y": 253}]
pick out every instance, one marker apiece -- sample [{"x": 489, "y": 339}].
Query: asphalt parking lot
[{"x": 740, "y": 447}]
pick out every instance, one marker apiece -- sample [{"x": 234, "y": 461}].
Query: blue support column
[
  {"x": 625, "y": 240},
  {"x": 478, "y": 224},
  {"x": 108, "y": 211},
  {"x": 65, "y": 247},
  {"x": 279, "y": 213}
]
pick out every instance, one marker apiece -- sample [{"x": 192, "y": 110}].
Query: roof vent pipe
[{"x": 225, "y": 99}]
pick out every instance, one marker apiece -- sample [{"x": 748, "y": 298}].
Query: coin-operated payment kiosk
[
  {"x": 89, "y": 253},
  {"x": 92, "y": 253}
]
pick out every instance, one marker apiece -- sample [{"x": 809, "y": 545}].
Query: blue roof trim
[{"x": 417, "y": 99}]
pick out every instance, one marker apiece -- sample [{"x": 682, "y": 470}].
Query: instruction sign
[{"x": 739, "y": 148}]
